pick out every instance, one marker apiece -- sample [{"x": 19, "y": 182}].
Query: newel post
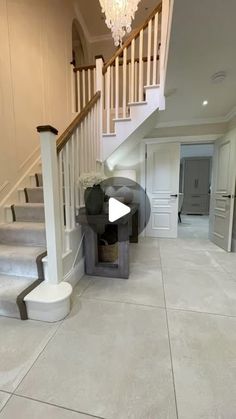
[{"x": 51, "y": 202}]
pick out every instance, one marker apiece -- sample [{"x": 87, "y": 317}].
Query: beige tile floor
[{"x": 161, "y": 345}]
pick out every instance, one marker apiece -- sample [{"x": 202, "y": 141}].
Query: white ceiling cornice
[
  {"x": 203, "y": 121},
  {"x": 91, "y": 39}
]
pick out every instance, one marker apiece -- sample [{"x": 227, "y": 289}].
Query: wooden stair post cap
[{"x": 47, "y": 128}]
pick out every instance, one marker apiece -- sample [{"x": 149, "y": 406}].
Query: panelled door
[
  {"x": 223, "y": 192},
  {"x": 162, "y": 186}
]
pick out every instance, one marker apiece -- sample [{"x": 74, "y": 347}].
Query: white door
[
  {"x": 222, "y": 194},
  {"x": 162, "y": 186}
]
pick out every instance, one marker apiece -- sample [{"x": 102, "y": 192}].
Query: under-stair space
[{"x": 22, "y": 248}]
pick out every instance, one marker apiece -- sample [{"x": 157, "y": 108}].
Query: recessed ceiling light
[{"x": 205, "y": 103}]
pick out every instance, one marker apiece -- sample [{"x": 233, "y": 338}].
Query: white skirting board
[{"x": 76, "y": 274}]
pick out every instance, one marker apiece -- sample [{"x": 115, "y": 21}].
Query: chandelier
[{"x": 119, "y": 15}]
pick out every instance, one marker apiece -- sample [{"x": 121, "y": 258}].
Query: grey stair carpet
[
  {"x": 34, "y": 195},
  {"x": 8, "y": 305},
  {"x": 23, "y": 233},
  {"x": 22, "y": 247},
  {"x": 28, "y": 212},
  {"x": 20, "y": 260},
  {"x": 39, "y": 179}
]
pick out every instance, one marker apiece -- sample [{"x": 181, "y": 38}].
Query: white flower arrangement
[{"x": 87, "y": 180}]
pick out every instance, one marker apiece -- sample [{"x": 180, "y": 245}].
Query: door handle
[
  {"x": 174, "y": 195},
  {"x": 226, "y": 196}
]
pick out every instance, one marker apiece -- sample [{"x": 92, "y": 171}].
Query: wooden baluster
[
  {"x": 149, "y": 52},
  {"x": 117, "y": 87},
  {"x": 83, "y": 87},
  {"x": 77, "y": 166},
  {"x": 140, "y": 90},
  {"x": 124, "y": 81},
  {"x": 108, "y": 98},
  {"x": 73, "y": 91},
  {"x": 129, "y": 70},
  {"x": 132, "y": 69},
  {"x": 78, "y": 92},
  {"x": 72, "y": 179},
  {"x": 61, "y": 195},
  {"x": 155, "y": 44},
  {"x": 112, "y": 87},
  {"x": 94, "y": 81},
  {"x": 67, "y": 187},
  {"x": 135, "y": 81},
  {"x": 89, "y": 84}
]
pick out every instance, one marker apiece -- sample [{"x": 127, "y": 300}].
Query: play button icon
[{"x": 116, "y": 210}]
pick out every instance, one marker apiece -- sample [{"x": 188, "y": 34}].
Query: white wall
[{"x": 35, "y": 45}]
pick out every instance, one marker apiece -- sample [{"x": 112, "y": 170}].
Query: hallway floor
[
  {"x": 194, "y": 226},
  {"x": 161, "y": 345}
]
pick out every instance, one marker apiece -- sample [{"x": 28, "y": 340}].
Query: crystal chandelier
[{"x": 119, "y": 15}]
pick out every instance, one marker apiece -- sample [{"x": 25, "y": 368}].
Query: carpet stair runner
[{"x": 22, "y": 247}]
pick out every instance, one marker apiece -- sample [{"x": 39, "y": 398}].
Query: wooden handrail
[
  {"x": 134, "y": 34},
  {"x": 86, "y": 67},
  {"x": 66, "y": 135}
]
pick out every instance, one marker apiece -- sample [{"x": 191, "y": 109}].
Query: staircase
[
  {"x": 22, "y": 248},
  {"x": 111, "y": 103}
]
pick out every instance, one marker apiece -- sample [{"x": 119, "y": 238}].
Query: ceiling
[
  {"x": 94, "y": 19},
  {"x": 203, "y": 42}
]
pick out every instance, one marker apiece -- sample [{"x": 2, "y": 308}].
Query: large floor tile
[
  {"x": 227, "y": 261},
  {"x": 3, "y": 399},
  {"x": 107, "y": 359},
  {"x": 204, "y": 354},
  {"x": 21, "y": 408},
  {"x": 144, "y": 286},
  {"x": 146, "y": 251},
  {"x": 187, "y": 259},
  {"x": 209, "y": 291},
  {"x": 21, "y": 343}
]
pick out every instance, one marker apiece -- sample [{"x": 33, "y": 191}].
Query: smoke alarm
[{"x": 218, "y": 77}]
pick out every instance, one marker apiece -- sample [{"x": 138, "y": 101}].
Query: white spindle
[
  {"x": 140, "y": 90},
  {"x": 132, "y": 69},
  {"x": 124, "y": 81},
  {"x": 89, "y": 85},
  {"x": 77, "y": 139},
  {"x": 155, "y": 44},
  {"x": 129, "y": 77},
  {"x": 108, "y": 98},
  {"x": 83, "y": 88},
  {"x": 135, "y": 81},
  {"x": 112, "y": 87},
  {"x": 117, "y": 87},
  {"x": 78, "y": 92},
  {"x": 66, "y": 159},
  {"x": 72, "y": 178},
  {"x": 94, "y": 81},
  {"x": 61, "y": 198},
  {"x": 149, "y": 52},
  {"x": 73, "y": 92}
]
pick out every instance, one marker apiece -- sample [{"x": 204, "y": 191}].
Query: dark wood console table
[{"x": 127, "y": 228}]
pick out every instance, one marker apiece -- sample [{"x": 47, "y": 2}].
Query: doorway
[{"x": 194, "y": 190}]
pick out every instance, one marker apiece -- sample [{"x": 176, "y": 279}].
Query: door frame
[{"x": 188, "y": 140}]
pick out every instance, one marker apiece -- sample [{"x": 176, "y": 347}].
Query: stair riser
[
  {"x": 19, "y": 267},
  {"x": 34, "y": 195},
  {"x": 29, "y": 214},
  {"x": 22, "y": 237},
  {"x": 39, "y": 179}
]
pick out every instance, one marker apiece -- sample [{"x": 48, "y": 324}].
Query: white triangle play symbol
[{"x": 117, "y": 210}]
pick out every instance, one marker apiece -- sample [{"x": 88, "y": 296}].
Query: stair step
[
  {"x": 34, "y": 195},
  {"x": 19, "y": 260},
  {"x": 138, "y": 103},
  {"x": 28, "y": 212},
  {"x": 23, "y": 233},
  {"x": 39, "y": 179},
  {"x": 10, "y": 287}
]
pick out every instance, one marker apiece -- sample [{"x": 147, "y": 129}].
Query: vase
[{"x": 94, "y": 198}]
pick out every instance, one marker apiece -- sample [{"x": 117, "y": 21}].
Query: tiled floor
[{"x": 161, "y": 345}]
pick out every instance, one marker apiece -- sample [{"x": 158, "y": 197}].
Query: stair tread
[
  {"x": 27, "y": 225},
  {"x": 10, "y": 287},
  {"x": 20, "y": 251},
  {"x": 29, "y": 205}
]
